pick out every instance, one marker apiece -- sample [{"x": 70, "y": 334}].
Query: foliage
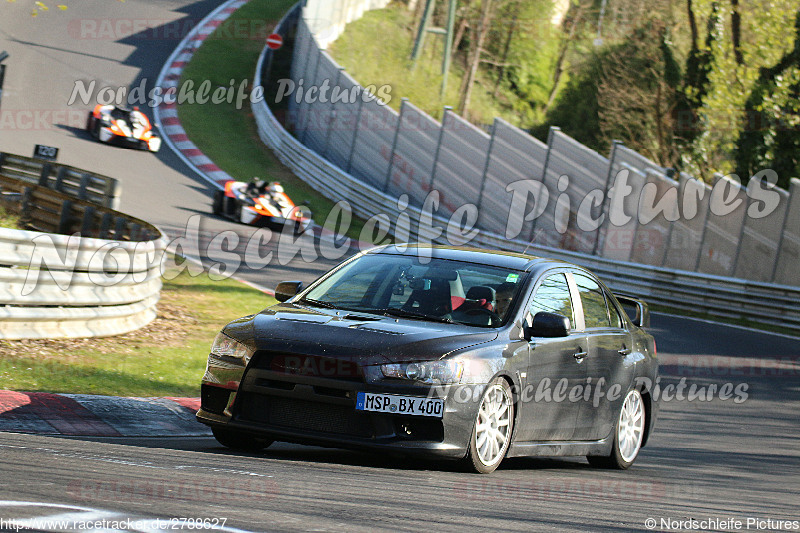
[{"x": 771, "y": 137}]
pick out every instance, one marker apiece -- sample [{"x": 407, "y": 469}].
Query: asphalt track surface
[{"x": 707, "y": 460}]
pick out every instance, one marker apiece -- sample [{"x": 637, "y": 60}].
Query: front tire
[
  {"x": 628, "y": 435},
  {"x": 239, "y": 441},
  {"x": 494, "y": 425}
]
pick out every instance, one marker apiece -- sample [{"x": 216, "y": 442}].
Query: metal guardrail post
[
  {"x": 308, "y": 106},
  {"x": 447, "y": 110},
  {"x": 83, "y": 191},
  {"x": 550, "y": 140},
  {"x": 741, "y": 232},
  {"x": 355, "y": 135},
  {"x": 612, "y": 158},
  {"x": 25, "y": 219},
  {"x": 486, "y": 166},
  {"x": 794, "y": 196},
  {"x": 403, "y": 103},
  {"x": 59, "y": 185},
  {"x": 119, "y": 228},
  {"x": 111, "y": 192},
  {"x": 87, "y": 220},
  {"x": 105, "y": 225},
  {"x": 44, "y": 175},
  {"x": 717, "y": 177},
  {"x": 332, "y": 116},
  {"x": 65, "y": 217}
]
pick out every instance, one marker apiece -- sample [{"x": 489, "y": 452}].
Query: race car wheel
[
  {"x": 216, "y": 206},
  {"x": 92, "y": 125}
]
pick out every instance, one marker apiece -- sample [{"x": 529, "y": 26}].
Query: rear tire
[
  {"x": 92, "y": 126},
  {"x": 493, "y": 429},
  {"x": 237, "y": 440},
  {"x": 628, "y": 435},
  {"x": 216, "y": 206}
]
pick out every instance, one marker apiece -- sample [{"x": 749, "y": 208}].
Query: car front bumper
[{"x": 321, "y": 411}]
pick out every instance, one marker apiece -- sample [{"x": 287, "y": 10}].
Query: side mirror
[
  {"x": 287, "y": 289},
  {"x": 549, "y": 325},
  {"x": 636, "y": 309}
]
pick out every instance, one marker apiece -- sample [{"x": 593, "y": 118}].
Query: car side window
[
  {"x": 553, "y": 296},
  {"x": 595, "y": 309}
]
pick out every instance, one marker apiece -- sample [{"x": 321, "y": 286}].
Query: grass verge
[
  {"x": 8, "y": 219},
  {"x": 166, "y": 358},
  {"x": 229, "y": 136}
]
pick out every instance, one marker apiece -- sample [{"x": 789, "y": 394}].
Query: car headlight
[
  {"x": 428, "y": 372},
  {"x": 226, "y": 347}
]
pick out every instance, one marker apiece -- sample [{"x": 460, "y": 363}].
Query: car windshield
[{"x": 439, "y": 290}]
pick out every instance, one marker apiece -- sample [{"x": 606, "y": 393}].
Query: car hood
[{"x": 360, "y": 337}]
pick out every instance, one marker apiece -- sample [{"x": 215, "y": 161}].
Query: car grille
[
  {"x": 304, "y": 415},
  {"x": 308, "y": 366}
]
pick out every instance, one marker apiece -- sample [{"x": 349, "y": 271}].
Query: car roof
[{"x": 497, "y": 258}]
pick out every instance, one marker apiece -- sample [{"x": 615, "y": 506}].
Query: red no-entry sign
[{"x": 274, "y": 41}]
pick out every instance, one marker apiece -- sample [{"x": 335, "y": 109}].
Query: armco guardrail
[
  {"x": 74, "y": 182},
  {"x": 716, "y": 295},
  {"x": 46, "y": 210},
  {"x": 72, "y": 284},
  {"x": 644, "y": 221}
]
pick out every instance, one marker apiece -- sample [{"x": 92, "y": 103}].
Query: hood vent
[{"x": 361, "y": 318}]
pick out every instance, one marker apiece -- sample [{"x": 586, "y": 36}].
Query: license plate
[{"x": 399, "y": 405}]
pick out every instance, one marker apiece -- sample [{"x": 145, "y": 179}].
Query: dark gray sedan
[{"x": 451, "y": 352}]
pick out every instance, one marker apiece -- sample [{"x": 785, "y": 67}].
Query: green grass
[
  {"x": 9, "y": 219},
  {"x": 376, "y": 49},
  {"x": 166, "y": 358},
  {"x": 228, "y": 135}
]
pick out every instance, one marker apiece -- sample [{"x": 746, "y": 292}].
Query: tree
[
  {"x": 771, "y": 134},
  {"x": 637, "y": 93}
]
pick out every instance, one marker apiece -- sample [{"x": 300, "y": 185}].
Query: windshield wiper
[
  {"x": 318, "y": 303},
  {"x": 405, "y": 313}
]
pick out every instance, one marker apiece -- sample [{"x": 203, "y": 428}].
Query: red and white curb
[
  {"x": 98, "y": 416},
  {"x": 166, "y": 114}
]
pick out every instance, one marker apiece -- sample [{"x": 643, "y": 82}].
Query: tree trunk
[
  {"x": 736, "y": 32},
  {"x": 692, "y": 24},
  {"x": 562, "y": 55},
  {"x": 475, "y": 60}
]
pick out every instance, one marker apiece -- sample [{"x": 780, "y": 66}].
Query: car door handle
[
  {"x": 624, "y": 351},
  {"x": 579, "y": 356}
]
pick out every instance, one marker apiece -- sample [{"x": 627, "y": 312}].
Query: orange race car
[
  {"x": 259, "y": 203},
  {"x": 123, "y": 127}
]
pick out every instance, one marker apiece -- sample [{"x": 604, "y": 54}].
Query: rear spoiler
[{"x": 641, "y": 314}]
